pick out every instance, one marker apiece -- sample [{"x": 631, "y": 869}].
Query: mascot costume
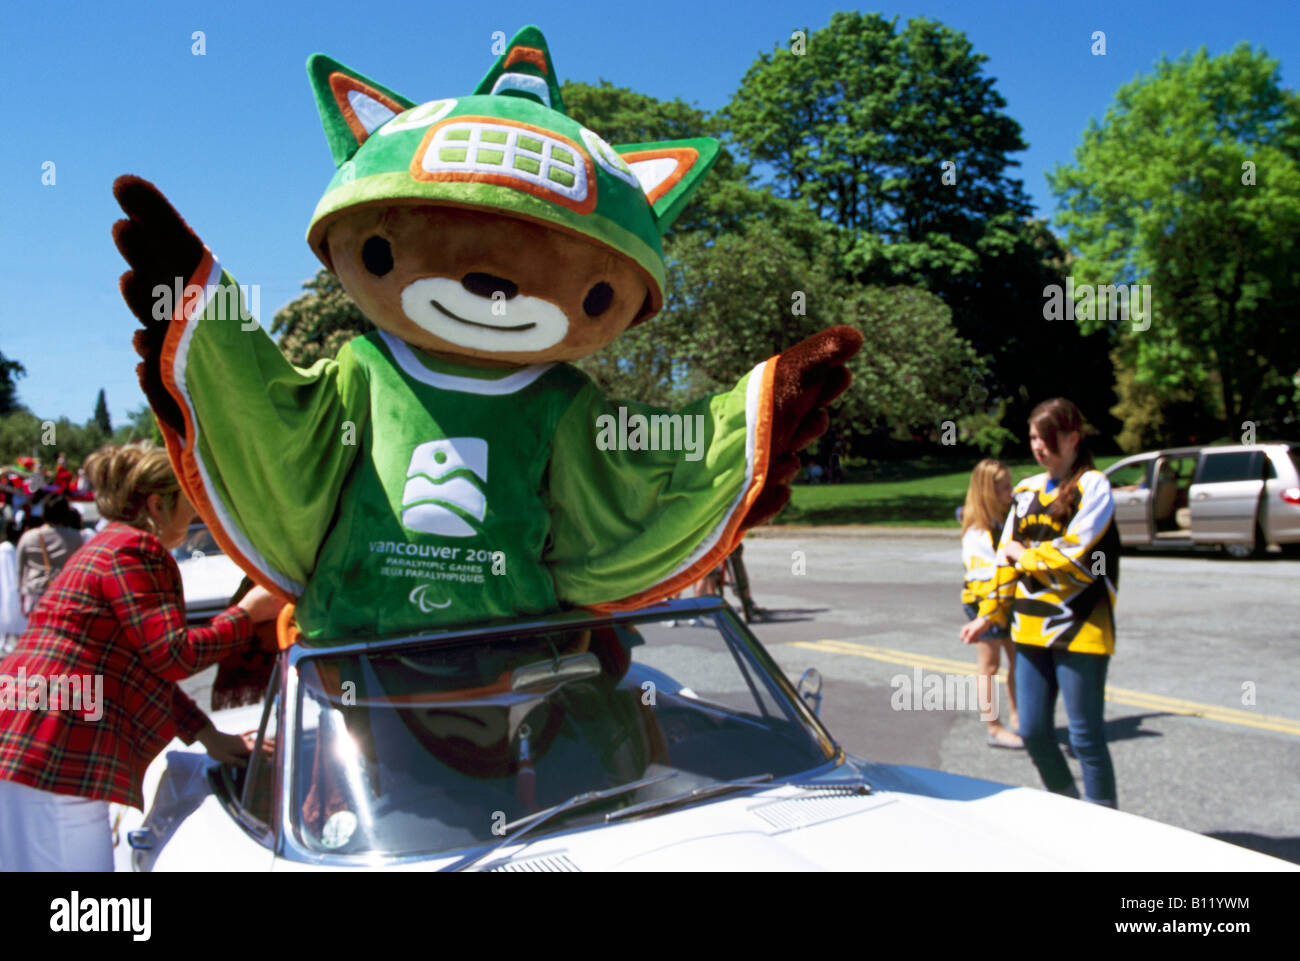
[{"x": 452, "y": 466}]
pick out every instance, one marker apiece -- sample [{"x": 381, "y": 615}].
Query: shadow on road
[
  {"x": 789, "y": 615},
  {"x": 1117, "y": 729}
]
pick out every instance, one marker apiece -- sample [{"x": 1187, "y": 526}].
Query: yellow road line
[{"x": 1119, "y": 695}]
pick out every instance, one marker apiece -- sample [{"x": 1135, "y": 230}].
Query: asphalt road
[
  {"x": 1196, "y": 634},
  {"x": 875, "y": 603}
]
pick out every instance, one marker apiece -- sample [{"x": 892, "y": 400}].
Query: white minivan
[{"x": 1240, "y": 497}]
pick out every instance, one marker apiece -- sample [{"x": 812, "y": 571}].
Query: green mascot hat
[{"x": 509, "y": 148}]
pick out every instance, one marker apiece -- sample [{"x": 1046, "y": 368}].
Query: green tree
[
  {"x": 76, "y": 441},
  {"x": 623, "y": 116},
  {"x": 898, "y": 138},
  {"x": 22, "y": 433},
  {"x": 915, "y": 370},
  {"x": 731, "y": 301},
  {"x": 737, "y": 299},
  {"x": 141, "y": 425},
  {"x": 727, "y": 201},
  {"x": 101, "y": 415},
  {"x": 10, "y": 371},
  {"x": 320, "y": 321},
  {"x": 1191, "y": 184},
  {"x": 860, "y": 127},
  {"x": 1032, "y": 358}
]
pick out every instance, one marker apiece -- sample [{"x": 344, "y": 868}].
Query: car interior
[{"x": 1170, "y": 513}]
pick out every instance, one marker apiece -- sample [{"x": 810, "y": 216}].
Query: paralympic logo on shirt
[{"x": 420, "y": 598}]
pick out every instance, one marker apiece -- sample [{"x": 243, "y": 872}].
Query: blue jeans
[{"x": 1040, "y": 673}]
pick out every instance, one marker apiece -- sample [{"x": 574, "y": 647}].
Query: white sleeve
[{"x": 978, "y": 554}]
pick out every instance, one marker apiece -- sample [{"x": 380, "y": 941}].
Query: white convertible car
[{"x": 594, "y": 743}]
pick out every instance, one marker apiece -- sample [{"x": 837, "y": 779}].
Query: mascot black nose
[{"x": 487, "y": 285}]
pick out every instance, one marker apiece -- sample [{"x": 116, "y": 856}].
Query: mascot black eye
[
  {"x": 598, "y": 299},
  {"x": 377, "y": 255}
]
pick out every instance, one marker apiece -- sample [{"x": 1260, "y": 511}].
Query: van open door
[
  {"x": 1130, "y": 486},
  {"x": 1224, "y": 498}
]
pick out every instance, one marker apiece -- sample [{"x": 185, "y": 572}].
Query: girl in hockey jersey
[
  {"x": 1056, "y": 583},
  {"x": 987, "y": 501}
]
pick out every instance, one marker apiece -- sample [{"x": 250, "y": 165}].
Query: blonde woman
[
  {"x": 115, "y": 618},
  {"x": 988, "y": 499}
]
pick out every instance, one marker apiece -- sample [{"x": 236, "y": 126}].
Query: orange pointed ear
[
  {"x": 351, "y": 106},
  {"x": 670, "y": 172}
]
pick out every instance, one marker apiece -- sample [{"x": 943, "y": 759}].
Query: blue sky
[{"x": 233, "y": 138}]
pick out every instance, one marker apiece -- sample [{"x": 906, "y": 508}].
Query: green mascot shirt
[{"x": 388, "y": 490}]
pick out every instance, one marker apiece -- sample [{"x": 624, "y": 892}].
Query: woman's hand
[
  {"x": 1013, "y": 550},
  {"x": 261, "y": 604},
  {"x": 225, "y": 748},
  {"x": 972, "y": 631}
]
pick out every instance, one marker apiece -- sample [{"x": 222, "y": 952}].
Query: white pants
[{"x": 42, "y": 831}]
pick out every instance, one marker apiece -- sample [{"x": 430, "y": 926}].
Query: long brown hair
[
  {"x": 982, "y": 509},
  {"x": 1052, "y": 418}
]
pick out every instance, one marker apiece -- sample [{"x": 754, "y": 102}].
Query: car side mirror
[{"x": 810, "y": 690}]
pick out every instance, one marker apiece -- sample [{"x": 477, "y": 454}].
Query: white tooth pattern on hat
[{"x": 452, "y": 137}]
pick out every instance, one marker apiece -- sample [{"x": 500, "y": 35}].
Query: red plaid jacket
[{"x": 115, "y": 610}]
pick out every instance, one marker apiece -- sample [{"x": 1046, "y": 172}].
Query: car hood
[{"x": 914, "y": 819}]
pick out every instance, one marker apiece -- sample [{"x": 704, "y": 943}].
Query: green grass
[{"x": 921, "y": 493}]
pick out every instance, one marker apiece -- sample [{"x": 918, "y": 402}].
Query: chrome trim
[
  {"x": 285, "y": 842},
  {"x": 278, "y": 778},
  {"x": 773, "y": 672}
]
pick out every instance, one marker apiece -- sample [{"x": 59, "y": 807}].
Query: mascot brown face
[{"x": 485, "y": 288}]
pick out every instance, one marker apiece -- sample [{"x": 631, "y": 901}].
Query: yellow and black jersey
[{"x": 1061, "y": 592}]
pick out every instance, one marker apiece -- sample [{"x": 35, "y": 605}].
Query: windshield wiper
[
  {"x": 526, "y": 824},
  {"x": 688, "y": 797}
]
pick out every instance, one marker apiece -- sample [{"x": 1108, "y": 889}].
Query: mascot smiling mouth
[
  {"x": 445, "y": 308},
  {"x": 474, "y": 323}
]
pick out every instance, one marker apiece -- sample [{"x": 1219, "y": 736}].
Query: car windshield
[
  {"x": 198, "y": 543},
  {"x": 421, "y": 750}
]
